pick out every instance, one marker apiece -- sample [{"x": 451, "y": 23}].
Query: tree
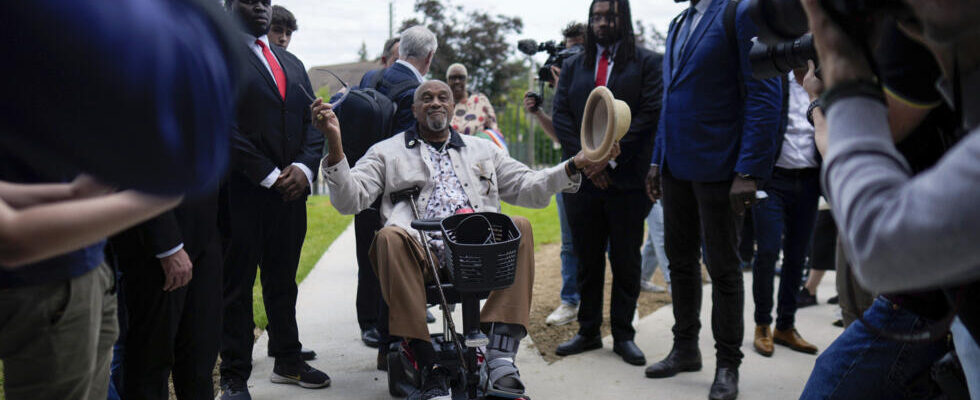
[
  {"x": 362, "y": 53},
  {"x": 655, "y": 40},
  {"x": 473, "y": 38}
]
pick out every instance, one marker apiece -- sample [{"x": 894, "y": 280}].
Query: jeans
[
  {"x": 863, "y": 365},
  {"x": 692, "y": 211},
  {"x": 784, "y": 220},
  {"x": 969, "y": 354},
  {"x": 569, "y": 262},
  {"x": 653, "y": 249}
]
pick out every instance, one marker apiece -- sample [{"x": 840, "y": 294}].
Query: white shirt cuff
[
  {"x": 271, "y": 178},
  {"x": 171, "y": 252},
  {"x": 306, "y": 170},
  {"x": 613, "y": 164}
]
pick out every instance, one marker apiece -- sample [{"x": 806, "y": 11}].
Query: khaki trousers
[
  {"x": 399, "y": 261},
  {"x": 56, "y": 338}
]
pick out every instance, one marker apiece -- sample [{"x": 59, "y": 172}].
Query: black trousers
[
  {"x": 176, "y": 331},
  {"x": 366, "y": 224},
  {"x": 265, "y": 232},
  {"x": 613, "y": 219},
  {"x": 696, "y": 211}
]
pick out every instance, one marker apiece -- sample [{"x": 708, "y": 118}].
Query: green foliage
[
  {"x": 324, "y": 92},
  {"x": 473, "y": 38},
  {"x": 544, "y": 221},
  {"x": 323, "y": 225},
  {"x": 513, "y": 123}
]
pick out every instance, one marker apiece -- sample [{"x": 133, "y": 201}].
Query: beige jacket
[{"x": 488, "y": 175}]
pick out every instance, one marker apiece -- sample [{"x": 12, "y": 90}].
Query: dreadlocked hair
[{"x": 624, "y": 27}]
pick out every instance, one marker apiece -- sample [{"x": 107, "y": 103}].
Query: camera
[
  {"x": 781, "y": 58},
  {"x": 557, "y": 54},
  {"x": 785, "y": 20}
]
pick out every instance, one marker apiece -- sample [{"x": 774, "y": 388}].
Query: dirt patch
[{"x": 547, "y": 286}]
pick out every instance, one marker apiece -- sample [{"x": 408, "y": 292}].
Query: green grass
[
  {"x": 544, "y": 221},
  {"x": 323, "y": 225}
]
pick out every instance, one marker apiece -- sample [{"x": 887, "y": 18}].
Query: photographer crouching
[{"x": 894, "y": 225}]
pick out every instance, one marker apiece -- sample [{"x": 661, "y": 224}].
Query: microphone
[{"x": 528, "y": 46}]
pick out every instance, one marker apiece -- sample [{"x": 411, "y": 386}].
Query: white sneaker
[
  {"x": 565, "y": 313},
  {"x": 651, "y": 287}
]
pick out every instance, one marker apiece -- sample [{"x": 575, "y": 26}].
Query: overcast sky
[{"x": 331, "y": 31}]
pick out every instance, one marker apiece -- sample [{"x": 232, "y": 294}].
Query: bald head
[
  {"x": 432, "y": 108},
  {"x": 433, "y": 86}
]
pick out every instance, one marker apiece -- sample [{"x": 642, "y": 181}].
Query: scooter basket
[{"x": 482, "y": 250}]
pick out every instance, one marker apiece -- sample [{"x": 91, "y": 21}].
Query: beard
[{"x": 437, "y": 124}]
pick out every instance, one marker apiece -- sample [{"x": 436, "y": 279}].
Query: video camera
[
  {"x": 780, "y": 59},
  {"x": 557, "y": 54}
]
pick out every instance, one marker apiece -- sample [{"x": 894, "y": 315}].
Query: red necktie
[
  {"x": 601, "y": 73},
  {"x": 276, "y": 69}
]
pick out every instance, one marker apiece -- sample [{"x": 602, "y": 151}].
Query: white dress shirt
[
  {"x": 257, "y": 50},
  {"x": 598, "y": 57},
  {"x": 413, "y": 69},
  {"x": 799, "y": 149}
]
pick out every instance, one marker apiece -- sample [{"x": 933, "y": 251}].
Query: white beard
[{"x": 437, "y": 124}]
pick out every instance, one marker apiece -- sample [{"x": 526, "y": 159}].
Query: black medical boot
[{"x": 501, "y": 377}]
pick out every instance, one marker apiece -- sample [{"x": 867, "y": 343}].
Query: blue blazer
[
  {"x": 394, "y": 75},
  {"x": 707, "y": 132}
]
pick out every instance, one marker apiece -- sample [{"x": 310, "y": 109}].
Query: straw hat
[{"x": 604, "y": 122}]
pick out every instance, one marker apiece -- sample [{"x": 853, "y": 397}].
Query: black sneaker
[
  {"x": 299, "y": 373},
  {"x": 234, "y": 389},
  {"x": 833, "y": 300},
  {"x": 805, "y": 299},
  {"x": 435, "y": 385}
]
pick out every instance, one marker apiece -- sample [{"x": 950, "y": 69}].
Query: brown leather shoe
[
  {"x": 763, "y": 340},
  {"x": 791, "y": 338}
]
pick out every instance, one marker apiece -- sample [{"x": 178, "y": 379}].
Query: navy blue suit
[
  {"x": 614, "y": 215},
  {"x": 392, "y": 77},
  {"x": 709, "y": 130}
]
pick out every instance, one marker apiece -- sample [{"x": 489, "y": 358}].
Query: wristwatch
[{"x": 571, "y": 168}]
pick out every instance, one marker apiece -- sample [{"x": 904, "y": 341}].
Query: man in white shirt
[{"x": 786, "y": 221}]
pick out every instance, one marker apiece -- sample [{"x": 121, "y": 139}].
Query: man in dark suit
[
  {"x": 611, "y": 206},
  {"x": 716, "y": 138},
  {"x": 416, "y": 49},
  {"x": 172, "y": 276},
  {"x": 275, "y": 153}
]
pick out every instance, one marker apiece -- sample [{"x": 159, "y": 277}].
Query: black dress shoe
[
  {"x": 675, "y": 362},
  {"x": 725, "y": 386},
  {"x": 371, "y": 338},
  {"x": 579, "y": 344},
  {"x": 630, "y": 353}
]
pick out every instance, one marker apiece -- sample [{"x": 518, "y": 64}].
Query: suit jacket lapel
[
  {"x": 698, "y": 33},
  {"x": 263, "y": 71},
  {"x": 671, "y": 42}
]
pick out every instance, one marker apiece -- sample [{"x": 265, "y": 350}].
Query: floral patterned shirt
[
  {"x": 447, "y": 194},
  {"x": 474, "y": 115}
]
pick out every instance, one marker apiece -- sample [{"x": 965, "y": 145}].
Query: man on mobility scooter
[{"x": 455, "y": 174}]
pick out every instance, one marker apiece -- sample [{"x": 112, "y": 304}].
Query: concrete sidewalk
[{"x": 328, "y": 324}]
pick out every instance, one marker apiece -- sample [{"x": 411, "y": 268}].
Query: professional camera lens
[
  {"x": 778, "y": 20},
  {"x": 780, "y": 59}
]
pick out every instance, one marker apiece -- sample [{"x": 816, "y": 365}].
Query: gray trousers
[{"x": 56, "y": 339}]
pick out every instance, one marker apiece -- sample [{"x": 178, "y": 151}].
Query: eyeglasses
[
  {"x": 343, "y": 96},
  {"x": 610, "y": 17}
]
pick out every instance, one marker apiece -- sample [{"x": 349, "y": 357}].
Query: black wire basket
[{"x": 481, "y": 249}]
